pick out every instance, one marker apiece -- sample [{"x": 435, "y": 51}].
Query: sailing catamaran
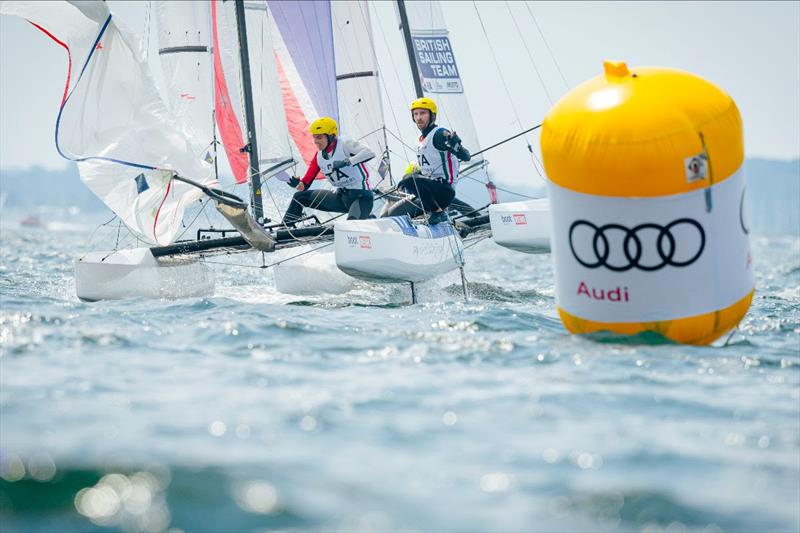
[{"x": 149, "y": 162}]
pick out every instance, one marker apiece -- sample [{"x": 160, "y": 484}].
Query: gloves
[
  {"x": 341, "y": 163},
  {"x": 453, "y": 143},
  {"x": 453, "y": 140},
  {"x": 462, "y": 153},
  {"x": 293, "y": 182}
]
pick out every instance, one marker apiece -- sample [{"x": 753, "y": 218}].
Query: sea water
[{"x": 253, "y": 410}]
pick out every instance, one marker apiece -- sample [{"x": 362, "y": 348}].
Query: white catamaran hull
[
  {"x": 522, "y": 226},
  {"x": 135, "y": 273},
  {"x": 394, "y": 250}
]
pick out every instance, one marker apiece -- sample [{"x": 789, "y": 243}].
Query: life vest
[
  {"x": 349, "y": 177},
  {"x": 436, "y": 164}
]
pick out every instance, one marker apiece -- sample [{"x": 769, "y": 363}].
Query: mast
[
  {"x": 252, "y": 145},
  {"x": 412, "y": 58}
]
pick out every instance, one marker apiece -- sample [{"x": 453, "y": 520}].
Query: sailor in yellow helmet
[
  {"x": 432, "y": 180},
  {"x": 342, "y": 161}
]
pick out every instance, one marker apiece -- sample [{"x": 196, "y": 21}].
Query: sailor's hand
[
  {"x": 452, "y": 140},
  {"x": 336, "y": 165},
  {"x": 292, "y": 181},
  {"x": 301, "y": 186}
]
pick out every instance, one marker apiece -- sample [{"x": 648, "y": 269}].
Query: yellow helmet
[
  {"x": 411, "y": 168},
  {"x": 324, "y": 126},
  {"x": 424, "y": 103}
]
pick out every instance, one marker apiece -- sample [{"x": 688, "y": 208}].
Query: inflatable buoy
[{"x": 647, "y": 195}]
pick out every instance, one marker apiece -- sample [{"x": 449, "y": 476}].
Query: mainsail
[
  {"x": 440, "y": 79},
  {"x": 303, "y": 43},
  {"x": 184, "y": 48},
  {"x": 112, "y": 122},
  {"x": 357, "y": 79}
]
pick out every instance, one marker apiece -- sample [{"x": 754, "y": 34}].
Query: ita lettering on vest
[{"x": 348, "y": 177}]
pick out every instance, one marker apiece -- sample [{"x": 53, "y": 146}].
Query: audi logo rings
[{"x": 632, "y": 246}]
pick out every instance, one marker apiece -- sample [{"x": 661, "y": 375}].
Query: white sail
[
  {"x": 360, "y": 104},
  {"x": 441, "y": 80},
  {"x": 184, "y": 47},
  {"x": 274, "y": 143},
  {"x": 276, "y": 150},
  {"x": 112, "y": 121}
]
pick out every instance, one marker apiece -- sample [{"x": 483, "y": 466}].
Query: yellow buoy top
[{"x": 630, "y": 132}]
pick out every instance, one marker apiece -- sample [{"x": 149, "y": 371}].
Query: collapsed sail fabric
[
  {"x": 440, "y": 78},
  {"x": 112, "y": 121},
  {"x": 360, "y": 106},
  {"x": 184, "y": 48}
]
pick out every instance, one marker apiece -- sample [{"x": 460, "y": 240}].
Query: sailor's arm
[
  {"x": 359, "y": 152},
  {"x": 311, "y": 173},
  {"x": 447, "y": 141}
]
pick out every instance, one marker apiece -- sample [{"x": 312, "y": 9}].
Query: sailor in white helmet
[
  {"x": 342, "y": 162},
  {"x": 432, "y": 179}
]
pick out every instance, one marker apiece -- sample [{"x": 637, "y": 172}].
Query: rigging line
[
  {"x": 373, "y": 66},
  {"x": 477, "y": 241},
  {"x": 343, "y": 30},
  {"x": 495, "y": 145},
  {"x": 373, "y": 132},
  {"x": 528, "y": 50},
  {"x": 505, "y": 190},
  {"x": 147, "y": 29},
  {"x": 276, "y": 263},
  {"x": 393, "y": 63},
  {"x": 550, "y": 51},
  {"x": 396, "y": 124},
  {"x": 399, "y": 83},
  {"x": 355, "y": 112},
  {"x": 260, "y": 129},
  {"x": 227, "y": 263},
  {"x": 363, "y": 8},
  {"x": 261, "y": 267},
  {"x": 186, "y": 227},
  {"x": 500, "y": 72},
  {"x": 362, "y": 24},
  {"x": 401, "y": 141},
  {"x": 91, "y": 236}
]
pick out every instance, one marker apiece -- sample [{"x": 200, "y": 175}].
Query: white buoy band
[{"x": 661, "y": 258}]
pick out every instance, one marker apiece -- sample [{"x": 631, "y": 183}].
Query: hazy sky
[{"x": 750, "y": 49}]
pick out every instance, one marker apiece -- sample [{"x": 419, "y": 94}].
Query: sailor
[
  {"x": 431, "y": 180},
  {"x": 342, "y": 161}
]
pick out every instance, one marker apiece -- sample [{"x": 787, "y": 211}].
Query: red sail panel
[
  {"x": 229, "y": 128},
  {"x": 296, "y": 118}
]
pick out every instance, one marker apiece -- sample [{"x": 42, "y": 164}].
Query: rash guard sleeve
[
  {"x": 311, "y": 173},
  {"x": 358, "y": 153}
]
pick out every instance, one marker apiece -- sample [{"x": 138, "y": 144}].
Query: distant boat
[{"x": 31, "y": 221}]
